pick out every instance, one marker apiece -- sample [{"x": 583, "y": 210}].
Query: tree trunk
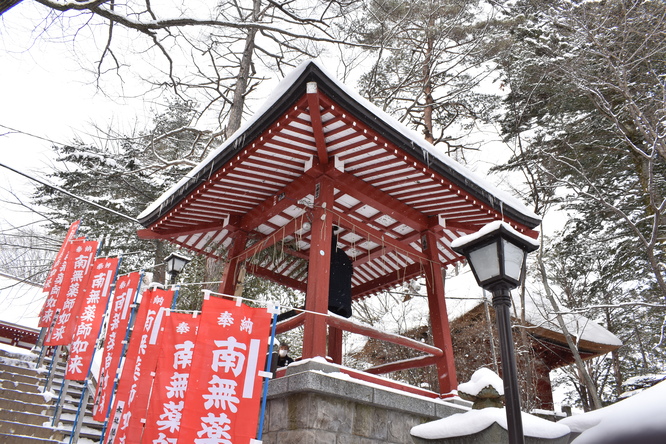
[
  {"x": 159, "y": 273},
  {"x": 244, "y": 71},
  {"x": 427, "y": 89},
  {"x": 580, "y": 366}
]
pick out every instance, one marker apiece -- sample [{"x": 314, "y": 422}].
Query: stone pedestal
[{"x": 316, "y": 404}]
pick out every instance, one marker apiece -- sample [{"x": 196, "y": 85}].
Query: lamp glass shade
[
  {"x": 485, "y": 262},
  {"x": 514, "y": 258},
  {"x": 176, "y": 263}
]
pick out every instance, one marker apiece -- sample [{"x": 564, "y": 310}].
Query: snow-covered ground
[{"x": 640, "y": 419}]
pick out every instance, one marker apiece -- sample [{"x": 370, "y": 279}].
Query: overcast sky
[{"x": 46, "y": 97}]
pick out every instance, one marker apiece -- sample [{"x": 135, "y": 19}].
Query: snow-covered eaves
[
  {"x": 6, "y": 5},
  {"x": 389, "y": 188},
  {"x": 283, "y": 97},
  {"x": 464, "y": 296}
]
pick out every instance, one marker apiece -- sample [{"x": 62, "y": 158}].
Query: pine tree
[{"x": 586, "y": 102}]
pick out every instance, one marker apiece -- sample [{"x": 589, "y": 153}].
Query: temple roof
[{"x": 390, "y": 186}]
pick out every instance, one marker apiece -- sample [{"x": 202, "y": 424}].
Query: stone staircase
[{"x": 26, "y": 411}]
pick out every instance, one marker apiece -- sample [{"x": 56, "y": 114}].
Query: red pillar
[
  {"x": 316, "y": 299},
  {"x": 439, "y": 319},
  {"x": 230, "y": 273},
  {"x": 335, "y": 344}
]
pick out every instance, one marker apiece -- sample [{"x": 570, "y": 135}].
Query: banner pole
[
  {"x": 85, "y": 394},
  {"x": 264, "y": 396},
  {"x": 78, "y": 419},
  {"x": 176, "y": 290},
  {"x": 55, "y": 359},
  {"x": 64, "y": 388},
  {"x": 130, "y": 326}
]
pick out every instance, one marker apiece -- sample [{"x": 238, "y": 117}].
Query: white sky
[{"x": 44, "y": 93}]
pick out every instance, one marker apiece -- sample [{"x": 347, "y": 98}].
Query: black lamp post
[
  {"x": 174, "y": 265},
  {"x": 497, "y": 254}
]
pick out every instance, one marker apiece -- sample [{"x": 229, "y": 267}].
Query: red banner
[
  {"x": 167, "y": 400},
  {"x": 58, "y": 282},
  {"x": 119, "y": 317},
  {"x": 135, "y": 381},
  {"x": 90, "y": 315},
  {"x": 71, "y": 232},
  {"x": 79, "y": 261},
  {"x": 224, "y": 390}
]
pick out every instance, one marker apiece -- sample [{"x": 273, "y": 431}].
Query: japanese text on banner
[
  {"x": 135, "y": 376},
  {"x": 89, "y": 321},
  {"x": 167, "y": 401},
  {"x": 119, "y": 317},
  {"x": 79, "y": 261},
  {"x": 224, "y": 391}
]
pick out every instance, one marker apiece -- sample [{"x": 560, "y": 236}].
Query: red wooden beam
[
  {"x": 316, "y": 300},
  {"x": 290, "y": 324},
  {"x": 278, "y": 278},
  {"x": 282, "y": 200},
  {"x": 405, "y": 364},
  {"x": 366, "y": 330},
  {"x": 439, "y": 318},
  {"x": 372, "y": 196},
  {"x": 231, "y": 268},
  {"x": 387, "y": 281},
  {"x": 315, "y": 118},
  {"x": 147, "y": 233},
  {"x": 268, "y": 241},
  {"x": 362, "y": 229}
]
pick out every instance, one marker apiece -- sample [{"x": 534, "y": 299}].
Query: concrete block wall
[{"x": 314, "y": 403}]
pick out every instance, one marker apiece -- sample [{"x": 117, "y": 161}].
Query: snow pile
[
  {"x": 489, "y": 228},
  {"x": 481, "y": 379},
  {"x": 540, "y": 313},
  {"x": 638, "y": 419},
  {"x": 475, "y": 421}
]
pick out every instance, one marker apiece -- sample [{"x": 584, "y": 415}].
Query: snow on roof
[
  {"x": 475, "y": 421},
  {"x": 489, "y": 228},
  {"x": 20, "y": 301},
  {"x": 416, "y": 138},
  {"x": 638, "y": 419},
  {"x": 541, "y": 314},
  {"x": 463, "y": 294}
]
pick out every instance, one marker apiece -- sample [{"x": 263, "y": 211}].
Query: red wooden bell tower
[{"x": 320, "y": 156}]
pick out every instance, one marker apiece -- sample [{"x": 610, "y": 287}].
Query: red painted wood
[
  {"x": 316, "y": 300},
  {"x": 335, "y": 344},
  {"x": 366, "y": 330},
  {"x": 405, "y": 364},
  {"x": 230, "y": 273},
  {"x": 290, "y": 324},
  {"x": 317, "y": 128},
  {"x": 439, "y": 318}
]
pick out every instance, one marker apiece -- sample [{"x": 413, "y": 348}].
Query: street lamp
[
  {"x": 497, "y": 254},
  {"x": 174, "y": 265}
]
